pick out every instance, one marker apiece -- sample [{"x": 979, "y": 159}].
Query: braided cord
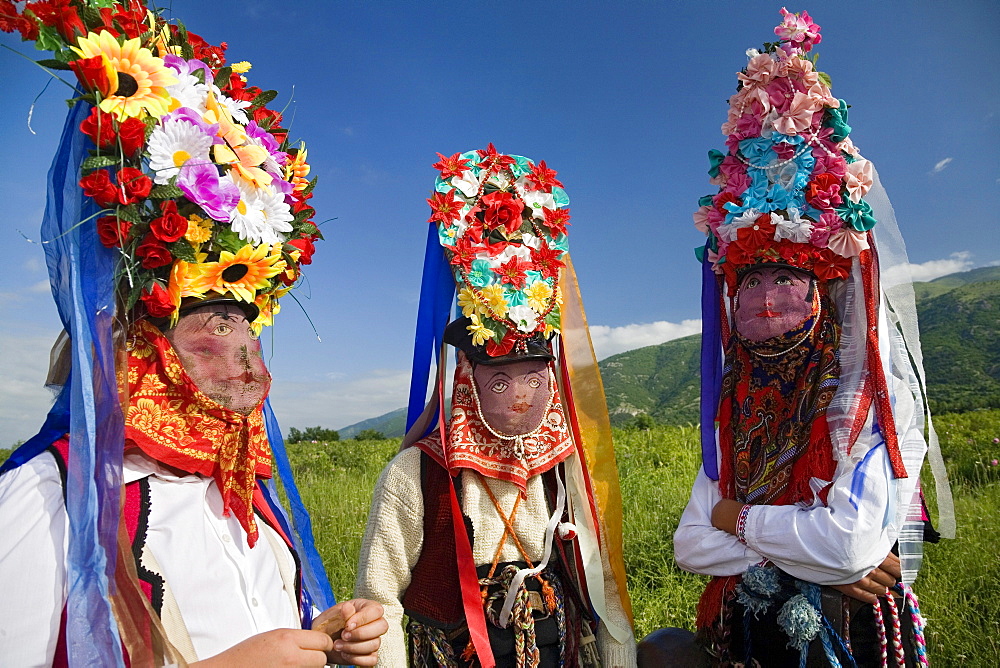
[
  {"x": 430, "y": 641},
  {"x": 919, "y": 624},
  {"x": 897, "y": 632},
  {"x": 880, "y": 627}
]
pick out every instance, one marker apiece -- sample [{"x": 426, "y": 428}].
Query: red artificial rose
[
  {"x": 306, "y": 249},
  {"x": 157, "y": 301},
  {"x": 98, "y": 185},
  {"x": 112, "y": 230},
  {"x": 133, "y": 185},
  {"x": 266, "y": 118},
  {"x": 132, "y": 133},
  {"x": 153, "y": 253},
  {"x": 90, "y": 72},
  {"x": 99, "y": 126},
  {"x": 69, "y": 24},
  {"x": 501, "y": 209},
  {"x": 170, "y": 226}
]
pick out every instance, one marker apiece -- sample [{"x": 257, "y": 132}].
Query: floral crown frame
[
  {"x": 198, "y": 186},
  {"x": 791, "y": 185},
  {"x": 502, "y": 222}
]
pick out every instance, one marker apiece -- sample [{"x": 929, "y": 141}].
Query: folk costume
[
  {"x": 815, "y": 424},
  {"x": 501, "y": 544},
  {"x": 143, "y": 518}
]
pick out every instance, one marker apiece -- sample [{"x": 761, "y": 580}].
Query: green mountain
[{"x": 959, "y": 318}]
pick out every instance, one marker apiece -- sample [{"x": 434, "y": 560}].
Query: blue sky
[{"x": 623, "y": 99}]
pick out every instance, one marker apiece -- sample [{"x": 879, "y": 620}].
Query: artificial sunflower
[
  {"x": 242, "y": 274},
  {"x": 137, "y": 80}
]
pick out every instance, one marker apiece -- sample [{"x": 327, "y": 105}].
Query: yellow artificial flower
[
  {"x": 468, "y": 302},
  {"x": 268, "y": 307},
  {"x": 480, "y": 333},
  {"x": 242, "y": 274},
  {"x": 539, "y": 293},
  {"x": 241, "y": 67},
  {"x": 495, "y": 299},
  {"x": 199, "y": 229},
  {"x": 137, "y": 80},
  {"x": 297, "y": 169}
]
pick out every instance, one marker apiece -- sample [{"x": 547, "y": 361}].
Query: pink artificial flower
[
  {"x": 780, "y": 92},
  {"x": 798, "y": 32},
  {"x": 859, "y": 179},
  {"x": 760, "y": 70},
  {"x": 828, "y": 224},
  {"x": 848, "y": 243},
  {"x": 829, "y": 164},
  {"x": 802, "y": 73},
  {"x": 714, "y": 258},
  {"x": 701, "y": 219},
  {"x": 799, "y": 116}
]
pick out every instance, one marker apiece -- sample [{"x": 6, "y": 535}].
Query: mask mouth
[
  {"x": 768, "y": 313},
  {"x": 521, "y": 407}
]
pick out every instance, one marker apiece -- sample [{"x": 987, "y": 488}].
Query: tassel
[{"x": 550, "y": 596}]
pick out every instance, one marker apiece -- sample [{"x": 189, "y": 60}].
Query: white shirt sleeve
[
  {"x": 34, "y": 531},
  {"x": 701, "y": 548}
]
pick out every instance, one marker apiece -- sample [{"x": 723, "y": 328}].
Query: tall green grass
[{"x": 959, "y": 585}]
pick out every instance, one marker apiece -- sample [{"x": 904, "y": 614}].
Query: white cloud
[
  {"x": 24, "y": 401},
  {"x": 612, "y": 340},
  {"x": 928, "y": 271},
  {"x": 940, "y": 165},
  {"x": 335, "y": 403}
]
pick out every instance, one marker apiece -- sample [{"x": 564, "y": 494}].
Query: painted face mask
[
  {"x": 221, "y": 354},
  {"x": 513, "y": 397},
  {"x": 772, "y": 301}
]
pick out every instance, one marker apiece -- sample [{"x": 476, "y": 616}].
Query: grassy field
[{"x": 959, "y": 585}]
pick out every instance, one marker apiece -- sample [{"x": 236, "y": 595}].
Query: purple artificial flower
[
  {"x": 194, "y": 118},
  {"x": 182, "y": 66},
  {"x": 215, "y": 195}
]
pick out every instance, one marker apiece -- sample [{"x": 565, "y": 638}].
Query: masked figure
[
  {"x": 807, "y": 511},
  {"x": 485, "y": 529},
  {"x": 142, "y": 524}
]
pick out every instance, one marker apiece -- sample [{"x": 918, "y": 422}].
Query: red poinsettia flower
[
  {"x": 112, "y": 231},
  {"x": 157, "y": 301},
  {"x": 445, "y": 207},
  {"x": 170, "y": 226},
  {"x": 100, "y": 128},
  {"x": 491, "y": 158},
  {"x": 91, "y": 73},
  {"x": 11, "y": 20},
  {"x": 463, "y": 253},
  {"x": 513, "y": 272},
  {"x": 546, "y": 260},
  {"x": 453, "y": 166},
  {"x": 543, "y": 178},
  {"x": 98, "y": 185},
  {"x": 501, "y": 209},
  {"x": 556, "y": 220},
  {"x": 153, "y": 253},
  {"x": 133, "y": 185}
]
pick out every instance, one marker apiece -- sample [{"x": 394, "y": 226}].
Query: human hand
[
  {"x": 275, "y": 649},
  {"x": 725, "y": 515},
  {"x": 876, "y": 583},
  {"x": 355, "y": 628}
]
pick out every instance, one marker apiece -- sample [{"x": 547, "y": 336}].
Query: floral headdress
[
  {"x": 502, "y": 220},
  {"x": 791, "y": 185},
  {"x": 195, "y": 178}
]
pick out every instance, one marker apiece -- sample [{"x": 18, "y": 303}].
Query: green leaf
[
  {"x": 182, "y": 250},
  {"x": 222, "y": 78},
  {"x": 129, "y": 213},
  {"x": 53, "y": 64},
  {"x": 825, "y": 79},
  {"x": 48, "y": 39},
  {"x": 229, "y": 240},
  {"x": 91, "y": 17},
  {"x": 263, "y": 99},
  {"x": 309, "y": 188},
  {"x": 98, "y": 161},
  {"x": 308, "y": 228},
  {"x": 164, "y": 191},
  {"x": 133, "y": 297}
]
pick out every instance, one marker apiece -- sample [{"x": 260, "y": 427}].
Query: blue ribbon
[
  {"x": 437, "y": 291},
  {"x": 314, "y": 580},
  {"x": 711, "y": 363}
]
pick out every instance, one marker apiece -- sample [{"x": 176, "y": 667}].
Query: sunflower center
[
  {"x": 180, "y": 157},
  {"x": 234, "y": 272},
  {"x": 127, "y": 85}
]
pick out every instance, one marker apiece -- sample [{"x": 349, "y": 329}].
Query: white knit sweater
[{"x": 394, "y": 538}]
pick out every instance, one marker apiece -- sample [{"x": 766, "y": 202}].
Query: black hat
[{"x": 458, "y": 335}]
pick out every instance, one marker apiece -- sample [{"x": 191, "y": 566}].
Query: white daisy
[
  {"x": 235, "y": 107},
  {"x": 174, "y": 143},
  {"x": 189, "y": 92},
  {"x": 247, "y": 218},
  {"x": 277, "y": 216}
]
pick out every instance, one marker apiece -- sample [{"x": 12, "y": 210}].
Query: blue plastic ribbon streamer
[
  {"x": 711, "y": 363},
  {"x": 437, "y": 291},
  {"x": 314, "y": 578}
]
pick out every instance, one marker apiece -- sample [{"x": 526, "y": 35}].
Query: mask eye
[
  {"x": 783, "y": 280},
  {"x": 499, "y": 386},
  {"x": 222, "y": 329},
  {"x": 752, "y": 283},
  {"x": 252, "y": 334},
  {"x": 534, "y": 383}
]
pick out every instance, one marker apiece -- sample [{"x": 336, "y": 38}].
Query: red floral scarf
[
  {"x": 169, "y": 419},
  {"x": 471, "y": 445}
]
